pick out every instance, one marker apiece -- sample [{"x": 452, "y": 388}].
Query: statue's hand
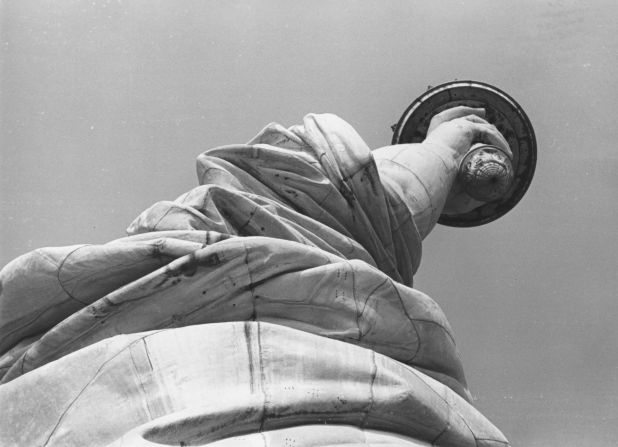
[{"x": 460, "y": 127}]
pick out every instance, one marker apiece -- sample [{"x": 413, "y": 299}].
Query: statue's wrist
[{"x": 449, "y": 156}]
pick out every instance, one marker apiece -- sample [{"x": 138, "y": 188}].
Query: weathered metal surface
[{"x": 273, "y": 298}]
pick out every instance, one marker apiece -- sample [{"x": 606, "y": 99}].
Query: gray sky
[{"x": 105, "y": 105}]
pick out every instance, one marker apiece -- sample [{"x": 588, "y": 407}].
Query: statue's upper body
[{"x": 274, "y": 296}]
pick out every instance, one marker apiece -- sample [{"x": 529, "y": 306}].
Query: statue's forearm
[{"x": 423, "y": 175}]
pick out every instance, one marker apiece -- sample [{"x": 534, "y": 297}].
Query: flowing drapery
[{"x": 293, "y": 233}]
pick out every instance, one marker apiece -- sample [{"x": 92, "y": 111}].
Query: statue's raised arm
[{"x": 426, "y": 173}]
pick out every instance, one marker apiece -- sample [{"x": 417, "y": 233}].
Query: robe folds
[{"x": 271, "y": 305}]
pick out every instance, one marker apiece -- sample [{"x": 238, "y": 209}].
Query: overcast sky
[{"x": 106, "y": 104}]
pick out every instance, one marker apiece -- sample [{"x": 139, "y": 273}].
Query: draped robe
[{"x": 271, "y": 305}]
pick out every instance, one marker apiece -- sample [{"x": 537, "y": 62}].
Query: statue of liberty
[{"x": 271, "y": 305}]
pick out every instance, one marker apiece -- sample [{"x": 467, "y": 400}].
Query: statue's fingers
[
  {"x": 460, "y": 112},
  {"x": 475, "y": 119},
  {"x": 454, "y": 113},
  {"x": 488, "y": 134}
]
